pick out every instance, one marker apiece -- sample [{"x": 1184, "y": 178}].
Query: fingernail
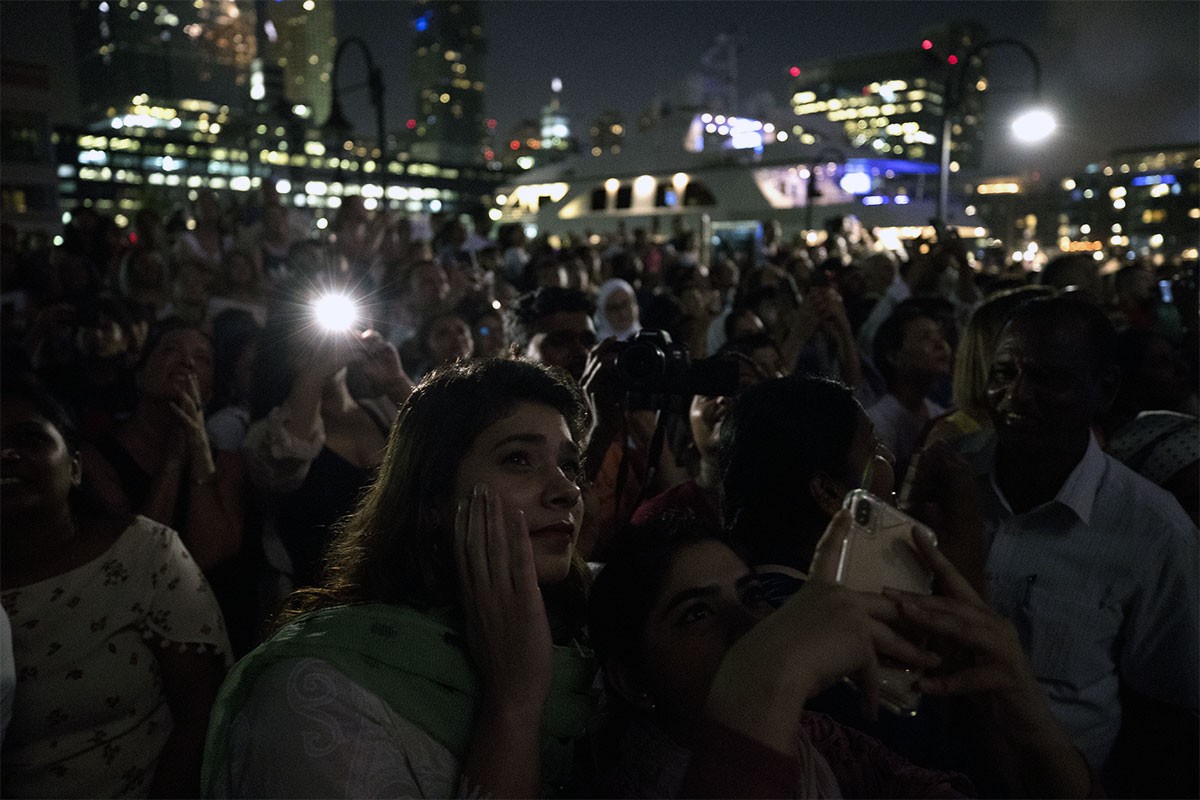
[
  {"x": 462, "y": 506},
  {"x": 479, "y": 490}
]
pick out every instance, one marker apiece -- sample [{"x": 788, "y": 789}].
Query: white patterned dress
[{"x": 90, "y": 717}]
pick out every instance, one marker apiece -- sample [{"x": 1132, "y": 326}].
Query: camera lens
[{"x": 641, "y": 363}]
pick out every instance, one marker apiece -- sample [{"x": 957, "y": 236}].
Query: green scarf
[{"x": 419, "y": 665}]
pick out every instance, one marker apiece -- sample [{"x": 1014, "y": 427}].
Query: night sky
[{"x": 1120, "y": 74}]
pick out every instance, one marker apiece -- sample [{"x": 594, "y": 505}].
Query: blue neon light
[
  {"x": 897, "y": 165},
  {"x": 1151, "y": 180},
  {"x": 422, "y": 22},
  {"x": 874, "y": 200}
]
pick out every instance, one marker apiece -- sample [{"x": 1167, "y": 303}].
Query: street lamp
[
  {"x": 1031, "y": 126},
  {"x": 336, "y": 125}
]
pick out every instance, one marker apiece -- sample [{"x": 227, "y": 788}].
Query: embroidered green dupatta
[{"x": 418, "y": 664}]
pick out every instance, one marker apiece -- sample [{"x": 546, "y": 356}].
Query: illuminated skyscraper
[
  {"x": 556, "y": 125},
  {"x": 893, "y": 103},
  {"x": 298, "y": 41},
  {"x": 447, "y": 75},
  {"x": 199, "y": 50}
]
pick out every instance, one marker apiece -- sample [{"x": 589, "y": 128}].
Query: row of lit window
[
  {"x": 94, "y": 146},
  {"x": 879, "y": 112},
  {"x": 1143, "y": 166},
  {"x": 890, "y": 86},
  {"x": 835, "y": 104}
]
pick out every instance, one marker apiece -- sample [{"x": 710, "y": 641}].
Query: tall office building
[
  {"x": 28, "y": 185},
  {"x": 448, "y": 77},
  {"x": 556, "y": 124},
  {"x": 298, "y": 43},
  {"x": 894, "y": 102},
  {"x": 199, "y": 50}
]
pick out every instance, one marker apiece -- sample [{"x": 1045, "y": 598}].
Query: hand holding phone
[{"x": 879, "y": 553}]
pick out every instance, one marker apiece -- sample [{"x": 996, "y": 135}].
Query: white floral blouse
[{"x": 90, "y": 717}]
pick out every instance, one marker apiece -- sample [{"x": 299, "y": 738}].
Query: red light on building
[
  {"x": 926, "y": 45},
  {"x": 953, "y": 59},
  {"x": 133, "y": 237},
  {"x": 491, "y": 123},
  {"x": 514, "y": 145},
  {"x": 794, "y": 72},
  {"x": 412, "y": 123}
]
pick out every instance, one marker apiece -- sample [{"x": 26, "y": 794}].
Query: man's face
[
  {"x": 1043, "y": 387},
  {"x": 925, "y": 350},
  {"x": 563, "y": 340}
]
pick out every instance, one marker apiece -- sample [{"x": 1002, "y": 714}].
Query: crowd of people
[{"x": 565, "y": 516}]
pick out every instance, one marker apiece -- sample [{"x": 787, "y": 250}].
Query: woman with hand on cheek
[{"x": 439, "y": 654}]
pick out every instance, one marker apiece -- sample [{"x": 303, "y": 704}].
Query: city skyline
[{"x": 1120, "y": 74}]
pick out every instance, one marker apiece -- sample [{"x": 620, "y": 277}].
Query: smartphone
[{"x": 879, "y": 554}]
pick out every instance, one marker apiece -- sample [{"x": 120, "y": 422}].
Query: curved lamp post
[
  {"x": 1031, "y": 126},
  {"x": 336, "y": 125}
]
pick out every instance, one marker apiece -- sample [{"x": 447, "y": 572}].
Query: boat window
[{"x": 697, "y": 194}]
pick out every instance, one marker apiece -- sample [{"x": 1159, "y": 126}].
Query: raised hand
[
  {"x": 380, "y": 364},
  {"x": 508, "y": 632},
  {"x": 605, "y": 397},
  {"x": 986, "y": 663},
  {"x": 994, "y": 662},
  {"x": 824, "y": 632},
  {"x": 188, "y": 406}
]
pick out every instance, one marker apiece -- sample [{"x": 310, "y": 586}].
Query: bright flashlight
[
  {"x": 1034, "y": 125},
  {"x": 335, "y": 312}
]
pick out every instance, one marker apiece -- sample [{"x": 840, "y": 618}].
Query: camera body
[{"x": 658, "y": 373}]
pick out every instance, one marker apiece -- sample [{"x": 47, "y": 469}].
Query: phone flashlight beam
[{"x": 335, "y": 312}]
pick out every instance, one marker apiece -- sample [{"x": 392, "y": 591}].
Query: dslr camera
[{"x": 658, "y": 373}]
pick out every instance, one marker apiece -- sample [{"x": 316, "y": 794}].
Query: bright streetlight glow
[{"x": 1034, "y": 125}]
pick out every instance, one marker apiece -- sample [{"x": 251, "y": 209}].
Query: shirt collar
[{"x": 1079, "y": 490}]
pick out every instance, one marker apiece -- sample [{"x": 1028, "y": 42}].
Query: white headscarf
[{"x": 604, "y": 328}]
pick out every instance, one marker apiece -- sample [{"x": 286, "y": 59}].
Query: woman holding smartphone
[
  {"x": 709, "y": 686},
  {"x": 314, "y": 444},
  {"x": 438, "y": 657}
]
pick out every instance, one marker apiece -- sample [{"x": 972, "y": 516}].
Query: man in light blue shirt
[{"x": 1096, "y": 566}]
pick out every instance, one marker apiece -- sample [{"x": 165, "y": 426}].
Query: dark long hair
[
  {"x": 396, "y": 547},
  {"x": 288, "y": 317},
  {"x": 775, "y": 439}
]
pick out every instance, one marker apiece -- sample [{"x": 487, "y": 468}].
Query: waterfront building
[
  {"x": 893, "y": 103},
  {"x": 1136, "y": 203}
]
